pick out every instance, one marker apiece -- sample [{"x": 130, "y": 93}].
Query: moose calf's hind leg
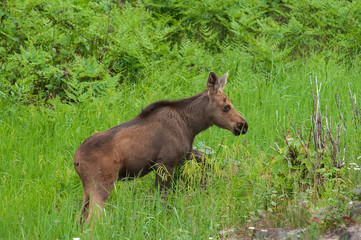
[
  {"x": 85, "y": 210},
  {"x": 98, "y": 196}
]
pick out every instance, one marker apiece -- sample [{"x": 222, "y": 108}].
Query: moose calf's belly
[{"x": 134, "y": 172}]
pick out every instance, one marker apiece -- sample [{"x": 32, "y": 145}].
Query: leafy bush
[
  {"x": 46, "y": 46},
  {"x": 49, "y": 44}
]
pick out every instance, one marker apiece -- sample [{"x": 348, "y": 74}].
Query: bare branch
[
  {"x": 338, "y": 134},
  {"x": 302, "y": 142},
  {"x": 274, "y": 149},
  {"x": 282, "y": 132},
  {"x": 313, "y": 95},
  {"x": 333, "y": 152},
  {"x": 355, "y": 112},
  {"x": 344, "y": 148}
]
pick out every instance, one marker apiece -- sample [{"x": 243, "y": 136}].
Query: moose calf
[{"x": 160, "y": 136}]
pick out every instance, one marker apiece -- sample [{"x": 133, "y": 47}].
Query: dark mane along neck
[{"x": 176, "y": 104}]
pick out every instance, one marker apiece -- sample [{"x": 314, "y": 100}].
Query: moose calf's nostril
[
  {"x": 245, "y": 129},
  {"x": 243, "y": 126}
]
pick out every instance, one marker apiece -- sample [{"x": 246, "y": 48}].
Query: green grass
[
  {"x": 73, "y": 68},
  {"x": 41, "y": 195}
]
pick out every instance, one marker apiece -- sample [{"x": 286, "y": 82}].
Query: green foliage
[
  {"x": 41, "y": 194},
  {"x": 293, "y": 164},
  {"x": 98, "y": 63},
  {"x": 46, "y": 45}
]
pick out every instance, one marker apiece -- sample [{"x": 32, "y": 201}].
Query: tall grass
[
  {"x": 40, "y": 193},
  {"x": 73, "y": 68}
]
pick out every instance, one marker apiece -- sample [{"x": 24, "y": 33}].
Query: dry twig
[{"x": 302, "y": 141}]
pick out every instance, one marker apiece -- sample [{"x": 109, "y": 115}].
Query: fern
[{"x": 44, "y": 44}]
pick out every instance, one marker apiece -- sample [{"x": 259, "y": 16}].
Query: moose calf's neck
[
  {"x": 195, "y": 116},
  {"x": 189, "y": 113}
]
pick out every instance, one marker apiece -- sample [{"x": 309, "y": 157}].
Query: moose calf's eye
[{"x": 226, "y": 108}]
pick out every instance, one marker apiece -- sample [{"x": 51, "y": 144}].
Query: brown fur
[{"x": 159, "y": 138}]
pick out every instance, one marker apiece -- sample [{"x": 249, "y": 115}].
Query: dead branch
[
  {"x": 333, "y": 150},
  {"x": 274, "y": 149},
  {"x": 301, "y": 140},
  {"x": 344, "y": 148},
  {"x": 282, "y": 132},
  {"x": 355, "y": 112}
]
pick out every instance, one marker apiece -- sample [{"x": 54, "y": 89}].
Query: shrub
[{"x": 46, "y": 45}]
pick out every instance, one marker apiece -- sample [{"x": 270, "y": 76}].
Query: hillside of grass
[{"x": 70, "y": 68}]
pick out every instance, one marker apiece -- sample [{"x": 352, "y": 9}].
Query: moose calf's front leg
[
  {"x": 164, "y": 176},
  {"x": 198, "y": 156}
]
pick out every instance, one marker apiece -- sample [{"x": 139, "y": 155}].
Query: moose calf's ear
[
  {"x": 212, "y": 83},
  {"x": 216, "y": 84},
  {"x": 223, "y": 81}
]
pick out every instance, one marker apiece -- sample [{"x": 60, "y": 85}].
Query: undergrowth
[
  {"x": 70, "y": 48},
  {"x": 73, "y": 68}
]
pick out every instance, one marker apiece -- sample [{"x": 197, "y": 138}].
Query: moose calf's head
[{"x": 220, "y": 110}]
